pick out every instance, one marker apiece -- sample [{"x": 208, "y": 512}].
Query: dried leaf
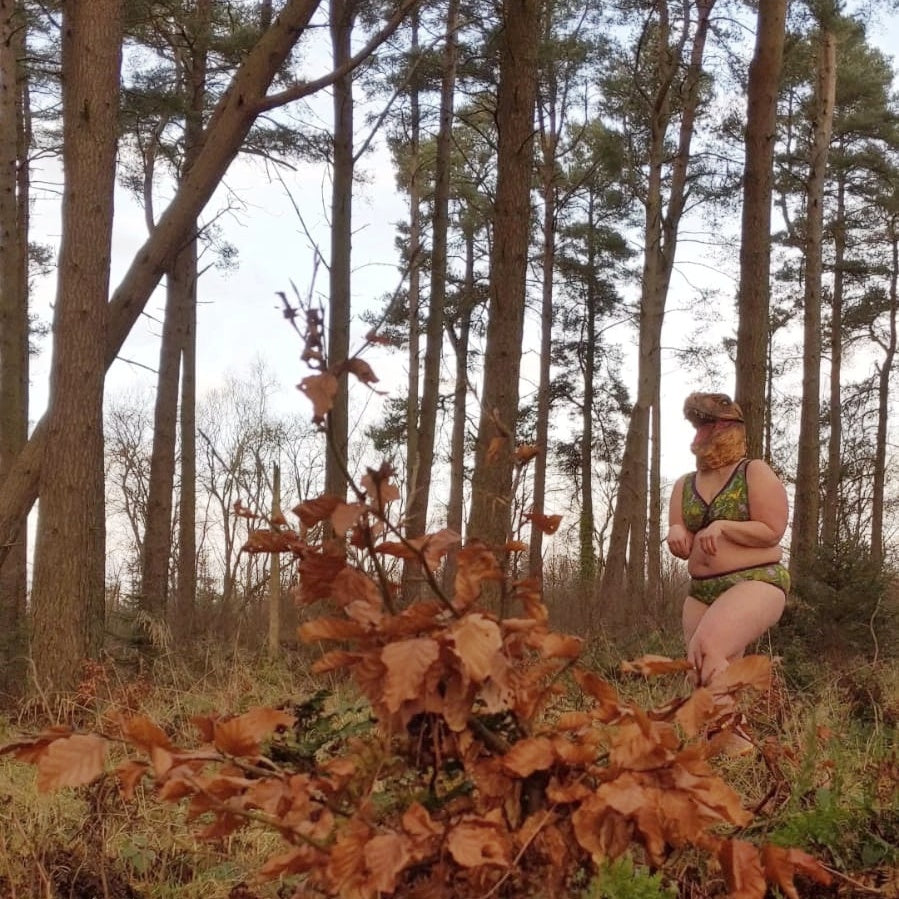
[
  {"x": 385, "y": 857},
  {"x": 434, "y": 547},
  {"x": 242, "y": 736},
  {"x": 335, "y": 660},
  {"x": 318, "y": 574},
  {"x": 330, "y": 629},
  {"x": 750, "y": 671},
  {"x": 609, "y": 707},
  {"x": 30, "y": 751},
  {"x": 530, "y": 755},
  {"x": 321, "y": 390},
  {"x": 473, "y": 844},
  {"x": 144, "y": 733},
  {"x": 418, "y": 823},
  {"x": 524, "y": 452},
  {"x": 71, "y": 762},
  {"x": 698, "y": 710},
  {"x": 377, "y": 484},
  {"x": 476, "y": 563},
  {"x": 345, "y": 515},
  {"x": 557, "y": 646},
  {"x": 361, "y": 369},
  {"x": 651, "y": 665},
  {"x": 548, "y": 524},
  {"x": 742, "y": 870},
  {"x": 781, "y": 865},
  {"x": 312, "y": 511},
  {"x": 476, "y": 640},
  {"x": 129, "y": 774},
  {"x": 296, "y": 861},
  {"x": 406, "y": 662},
  {"x": 268, "y": 541}
]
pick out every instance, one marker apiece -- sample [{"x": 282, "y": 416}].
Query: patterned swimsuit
[{"x": 730, "y": 503}]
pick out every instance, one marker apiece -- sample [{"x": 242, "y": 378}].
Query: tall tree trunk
[
  {"x": 228, "y": 126},
  {"x": 755, "y": 241},
  {"x": 883, "y": 406},
  {"x": 624, "y": 575},
  {"x": 414, "y": 264},
  {"x": 69, "y": 566},
  {"x": 489, "y": 519},
  {"x": 831, "y": 505},
  {"x": 455, "y": 510},
  {"x": 186, "y": 581},
  {"x": 14, "y": 190},
  {"x": 343, "y": 15},
  {"x": 178, "y": 329},
  {"x": 808, "y": 467},
  {"x": 587, "y": 523},
  {"x": 417, "y": 515},
  {"x": 549, "y": 124}
]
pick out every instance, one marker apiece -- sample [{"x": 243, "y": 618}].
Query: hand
[
  {"x": 708, "y": 538},
  {"x": 680, "y": 541}
]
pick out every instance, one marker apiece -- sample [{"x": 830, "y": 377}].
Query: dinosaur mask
[{"x": 720, "y": 432}]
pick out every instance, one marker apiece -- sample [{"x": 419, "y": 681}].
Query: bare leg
[{"x": 740, "y": 615}]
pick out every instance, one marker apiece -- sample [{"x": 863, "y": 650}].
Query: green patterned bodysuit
[{"x": 730, "y": 503}]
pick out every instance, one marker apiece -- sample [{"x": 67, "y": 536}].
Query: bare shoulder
[{"x": 760, "y": 472}]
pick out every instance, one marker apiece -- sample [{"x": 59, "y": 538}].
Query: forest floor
[{"x": 831, "y": 789}]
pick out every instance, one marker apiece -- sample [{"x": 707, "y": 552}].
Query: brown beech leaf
[
  {"x": 321, "y": 390},
  {"x": 264, "y": 540},
  {"x": 406, "y": 662},
  {"x": 296, "y": 861},
  {"x": 129, "y": 774},
  {"x": 334, "y": 661},
  {"x": 385, "y": 857},
  {"x": 378, "y": 486},
  {"x": 473, "y": 844},
  {"x": 495, "y": 448},
  {"x": 608, "y": 705},
  {"x": 477, "y": 640},
  {"x": 330, "y": 629},
  {"x": 351, "y": 587},
  {"x": 651, "y": 665},
  {"x": 346, "y": 863},
  {"x": 318, "y": 574},
  {"x": 515, "y": 546},
  {"x": 640, "y": 748},
  {"x": 345, "y": 515},
  {"x": 529, "y": 755},
  {"x": 435, "y": 546},
  {"x": 418, "y": 823},
  {"x": 524, "y": 452},
  {"x": 144, "y": 733},
  {"x": 30, "y": 751},
  {"x": 553, "y": 645},
  {"x": 476, "y": 563},
  {"x": 781, "y": 865},
  {"x": 698, "y": 710},
  {"x": 742, "y": 870},
  {"x": 750, "y": 671},
  {"x": 312, "y": 511},
  {"x": 361, "y": 369},
  {"x": 600, "y": 830},
  {"x": 242, "y": 736},
  {"x": 549, "y": 524},
  {"x": 71, "y": 762}
]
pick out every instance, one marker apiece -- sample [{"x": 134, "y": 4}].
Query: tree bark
[
  {"x": 14, "y": 189},
  {"x": 69, "y": 565},
  {"x": 343, "y": 14},
  {"x": 755, "y": 242},
  {"x": 489, "y": 519},
  {"x": 883, "y": 406},
  {"x": 417, "y": 516},
  {"x": 831, "y": 505},
  {"x": 808, "y": 467}
]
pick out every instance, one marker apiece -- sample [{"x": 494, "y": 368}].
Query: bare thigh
[{"x": 740, "y": 615}]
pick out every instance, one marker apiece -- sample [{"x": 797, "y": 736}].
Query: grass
[{"x": 831, "y": 790}]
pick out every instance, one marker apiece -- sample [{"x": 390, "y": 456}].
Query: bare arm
[{"x": 679, "y": 539}]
